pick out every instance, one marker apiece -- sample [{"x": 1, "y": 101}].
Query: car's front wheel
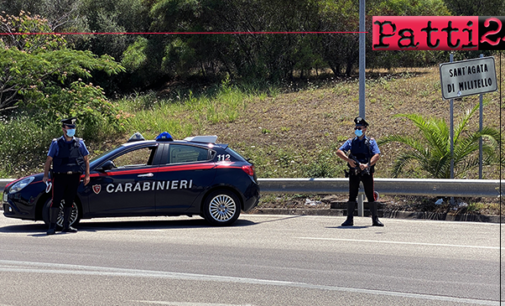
[
  {"x": 74, "y": 215},
  {"x": 221, "y": 207}
]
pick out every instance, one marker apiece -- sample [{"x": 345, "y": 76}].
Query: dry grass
[
  {"x": 301, "y": 126},
  {"x": 305, "y": 122}
]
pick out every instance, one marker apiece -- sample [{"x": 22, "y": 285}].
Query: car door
[
  {"x": 186, "y": 171},
  {"x": 128, "y": 189}
]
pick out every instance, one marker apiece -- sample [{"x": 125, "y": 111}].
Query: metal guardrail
[
  {"x": 3, "y": 183},
  {"x": 419, "y": 187}
]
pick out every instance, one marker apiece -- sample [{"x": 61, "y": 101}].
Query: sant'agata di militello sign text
[{"x": 470, "y": 77}]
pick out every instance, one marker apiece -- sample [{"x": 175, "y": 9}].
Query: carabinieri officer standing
[
  {"x": 70, "y": 159},
  {"x": 364, "y": 154}
]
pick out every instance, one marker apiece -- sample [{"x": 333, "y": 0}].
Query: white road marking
[
  {"x": 403, "y": 242},
  {"x": 50, "y": 268},
  {"x": 189, "y": 304}
]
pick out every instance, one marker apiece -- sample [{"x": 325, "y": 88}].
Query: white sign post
[{"x": 465, "y": 78}]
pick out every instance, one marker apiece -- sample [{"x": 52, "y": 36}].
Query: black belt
[{"x": 68, "y": 172}]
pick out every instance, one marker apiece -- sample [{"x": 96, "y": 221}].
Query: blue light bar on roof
[{"x": 165, "y": 136}]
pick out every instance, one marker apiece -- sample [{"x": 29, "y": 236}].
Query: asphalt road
[{"x": 262, "y": 260}]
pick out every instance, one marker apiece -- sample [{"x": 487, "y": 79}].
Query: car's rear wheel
[
  {"x": 74, "y": 216},
  {"x": 221, "y": 207}
]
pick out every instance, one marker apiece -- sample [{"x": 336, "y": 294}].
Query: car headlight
[{"x": 21, "y": 184}]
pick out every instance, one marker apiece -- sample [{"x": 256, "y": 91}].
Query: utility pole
[{"x": 362, "y": 55}]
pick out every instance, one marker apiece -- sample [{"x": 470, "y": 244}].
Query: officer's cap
[
  {"x": 360, "y": 122},
  {"x": 69, "y": 122}
]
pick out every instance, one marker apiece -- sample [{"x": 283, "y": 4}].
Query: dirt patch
[{"x": 303, "y": 122}]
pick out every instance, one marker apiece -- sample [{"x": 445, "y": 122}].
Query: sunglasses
[{"x": 358, "y": 128}]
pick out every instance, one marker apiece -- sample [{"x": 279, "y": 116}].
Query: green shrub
[
  {"x": 88, "y": 103},
  {"x": 24, "y": 145}
]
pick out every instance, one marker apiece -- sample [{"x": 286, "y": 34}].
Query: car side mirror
[{"x": 108, "y": 165}]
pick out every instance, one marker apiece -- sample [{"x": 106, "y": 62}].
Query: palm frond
[
  {"x": 434, "y": 131},
  {"x": 431, "y": 147},
  {"x": 462, "y": 125}
]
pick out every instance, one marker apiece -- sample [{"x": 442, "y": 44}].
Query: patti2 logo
[
  {"x": 490, "y": 23},
  {"x": 438, "y": 33}
]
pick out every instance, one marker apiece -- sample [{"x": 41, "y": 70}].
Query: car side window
[
  {"x": 137, "y": 158},
  {"x": 186, "y": 154}
]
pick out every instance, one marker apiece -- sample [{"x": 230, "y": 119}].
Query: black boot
[
  {"x": 350, "y": 214},
  {"x": 375, "y": 218},
  {"x": 53, "y": 218},
  {"x": 67, "y": 211}
]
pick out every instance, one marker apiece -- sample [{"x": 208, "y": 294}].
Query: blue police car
[{"x": 162, "y": 177}]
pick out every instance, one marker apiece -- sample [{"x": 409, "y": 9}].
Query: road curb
[
  {"x": 387, "y": 214},
  {"x": 382, "y": 214},
  {"x": 298, "y": 211}
]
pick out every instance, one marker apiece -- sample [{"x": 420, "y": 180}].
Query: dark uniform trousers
[
  {"x": 367, "y": 180},
  {"x": 65, "y": 188}
]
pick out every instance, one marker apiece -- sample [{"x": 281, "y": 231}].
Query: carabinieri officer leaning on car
[
  {"x": 364, "y": 154},
  {"x": 70, "y": 159}
]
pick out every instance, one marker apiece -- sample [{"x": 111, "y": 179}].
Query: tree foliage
[
  {"x": 60, "y": 14},
  {"x": 270, "y": 56},
  {"x": 476, "y": 7},
  {"x": 106, "y": 16},
  {"x": 152, "y": 60},
  {"x": 244, "y": 55},
  {"x": 39, "y": 72}
]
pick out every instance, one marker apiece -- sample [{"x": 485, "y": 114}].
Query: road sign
[{"x": 470, "y": 77}]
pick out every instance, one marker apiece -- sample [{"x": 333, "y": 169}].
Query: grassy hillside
[{"x": 294, "y": 131}]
